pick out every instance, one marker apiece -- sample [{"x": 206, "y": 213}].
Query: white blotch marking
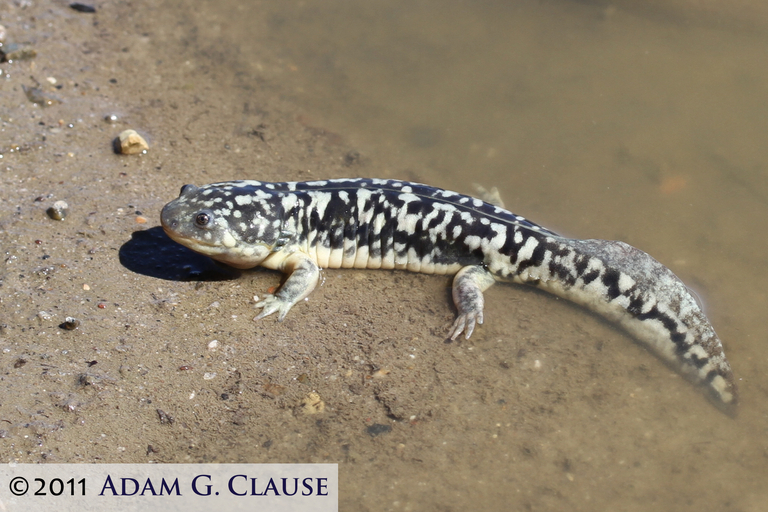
[
  {"x": 625, "y": 282},
  {"x": 473, "y": 241},
  {"x": 228, "y": 240},
  {"x": 526, "y": 251}
]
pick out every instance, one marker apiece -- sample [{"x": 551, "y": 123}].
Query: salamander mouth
[{"x": 195, "y": 244}]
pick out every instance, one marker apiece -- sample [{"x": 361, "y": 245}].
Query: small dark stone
[
  {"x": 19, "y": 362},
  {"x": 225, "y": 396},
  {"x": 165, "y": 418},
  {"x": 70, "y": 324},
  {"x": 267, "y": 443},
  {"x": 83, "y": 8},
  {"x": 377, "y": 429},
  {"x": 58, "y": 211}
]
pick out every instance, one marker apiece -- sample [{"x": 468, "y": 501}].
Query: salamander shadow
[{"x": 152, "y": 253}]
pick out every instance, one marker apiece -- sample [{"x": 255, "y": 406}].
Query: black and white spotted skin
[{"x": 300, "y": 227}]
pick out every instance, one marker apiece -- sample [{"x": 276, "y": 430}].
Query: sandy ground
[{"x": 546, "y": 408}]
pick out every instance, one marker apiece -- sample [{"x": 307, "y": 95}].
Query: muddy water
[{"x": 618, "y": 121}]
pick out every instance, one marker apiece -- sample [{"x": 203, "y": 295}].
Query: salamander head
[{"x": 224, "y": 221}]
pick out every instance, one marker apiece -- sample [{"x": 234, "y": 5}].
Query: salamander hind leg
[
  {"x": 468, "y": 287},
  {"x": 303, "y": 274}
]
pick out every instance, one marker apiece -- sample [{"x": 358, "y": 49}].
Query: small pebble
[
  {"x": 209, "y": 376},
  {"x": 141, "y": 220},
  {"x": 37, "y": 95},
  {"x": 312, "y": 404},
  {"x": 59, "y": 210},
  {"x": 83, "y": 8},
  {"x": 380, "y": 373},
  {"x": 164, "y": 417},
  {"x": 3, "y": 34},
  {"x": 131, "y": 143},
  {"x": 377, "y": 429},
  {"x": 15, "y": 52},
  {"x": 44, "y": 315},
  {"x": 111, "y": 118},
  {"x": 70, "y": 323},
  {"x": 213, "y": 344},
  {"x": 86, "y": 287}
]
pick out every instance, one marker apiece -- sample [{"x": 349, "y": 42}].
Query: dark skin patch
[
  {"x": 636, "y": 304},
  {"x": 611, "y": 281},
  {"x": 670, "y": 325},
  {"x": 536, "y": 259},
  {"x": 590, "y": 276},
  {"x": 581, "y": 262}
]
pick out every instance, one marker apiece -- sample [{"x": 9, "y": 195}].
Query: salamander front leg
[
  {"x": 468, "y": 287},
  {"x": 303, "y": 274}
]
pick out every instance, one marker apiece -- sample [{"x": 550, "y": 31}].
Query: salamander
[{"x": 300, "y": 227}]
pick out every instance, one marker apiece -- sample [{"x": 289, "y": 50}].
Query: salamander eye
[{"x": 202, "y": 219}]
